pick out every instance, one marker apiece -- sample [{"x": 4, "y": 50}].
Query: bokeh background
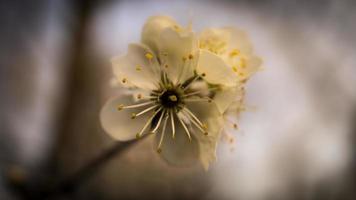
[{"x": 296, "y": 140}]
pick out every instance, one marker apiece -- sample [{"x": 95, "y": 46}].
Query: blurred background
[{"x": 297, "y": 140}]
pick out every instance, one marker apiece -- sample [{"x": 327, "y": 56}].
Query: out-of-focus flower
[
  {"x": 174, "y": 90},
  {"x": 235, "y": 49}
]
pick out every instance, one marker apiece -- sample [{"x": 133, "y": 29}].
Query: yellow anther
[
  {"x": 243, "y": 81},
  {"x": 139, "y": 96},
  {"x": 203, "y": 74},
  {"x": 120, "y": 107},
  {"x": 173, "y": 98},
  {"x": 231, "y": 140},
  {"x": 234, "y": 53},
  {"x": 124, "y": 80},
  {"x": 190, "y": 56},
  {"x": 204, "y": 126},
  {"x": 138, "y": 68},
  {"x": 169, "y": 86},
  {"x": 206, "y": 133},
  {"x": 242, "y": 74},
  {"x": 166, "y": 66},
  {"x": 149, "y": 56},
  {"x": 159, "y": 150},
  {"x": 234, "y": 68},
  {"x": 235, "y": 126},
  {"x": 138, "y": 135},
  {"x": 133, "y": 115}
]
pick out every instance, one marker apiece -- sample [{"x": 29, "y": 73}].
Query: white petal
[
  {"x": 215, "y": 70},
  {"x": 118, "y": 124},
  {"x": 238, "y": 40},
  {"x": 208, "y": 144},
  {"x": 233, "y": 38},
  {"x": 178, "y": 51},
  {"x": 178, "y": 151},
  {"x": 209, "y": 115},
  {"x": 153, "y": 28},
  {"x": 135, "y": 68},
  {"x": 224, "y": 97}
]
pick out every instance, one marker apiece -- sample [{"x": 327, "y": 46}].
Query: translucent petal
[
  {"x": 118, "y": 123},
  {"x": 214, "y": 70},
  {"x": 224, "y": 97},
  {"x": 139, "y": 67},
  {"x": 178, "y": 52},
  {"x": 209, "y": 115},
  {"x": 153, "y": 28},
  {"x": 178, "y": 151},
  {"x": 226, "y": 39}
]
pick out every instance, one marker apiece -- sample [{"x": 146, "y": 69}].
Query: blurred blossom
[{"x": 181, "y": 85}]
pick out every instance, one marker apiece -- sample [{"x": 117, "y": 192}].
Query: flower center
[
  {"x": 170, "y": 99},
  {"x": 168, "y": 106}
]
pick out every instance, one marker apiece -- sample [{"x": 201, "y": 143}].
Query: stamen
[
  {"x": 190, "y": 82},
  {"x": 232, "y": 123},
  {"x": 124, "y": 80},
  {"x": 242, "y": 74},
  {"x": 138, "y": 135},
  {"x": 193, "y": 116},
  {"x": 138, "y": 68},
  {"x": 173, "y": 98},
  {"x": 121, "y": 106},
  {"x": 172, "y": 123},
  {"x": 202, "y": 99},
  {"x": 234, "y": 68},
  {"x": 159, "y": 149},
  {"x": 197, "y": 125},
  {"x": 149, "y": 56},
  {"x": 159, "y": 122},
  {"x": 235, "y": 126},
  {"x": 192, "y": 93},
  {"x": 139, "y": 96},
  {"x": 134, "y": 115},
  {"x": 185, "y": 128},
  {"x": 234, "y": 53}
]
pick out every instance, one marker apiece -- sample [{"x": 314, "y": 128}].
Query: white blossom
[{"x": 177, "y": 88}]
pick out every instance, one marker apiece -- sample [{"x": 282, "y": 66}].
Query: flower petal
[
  {"x": 224, "y": 97},
  {"x": 209, "y": 115},
  {"x": 153, "y": 28},
  {"x": 214, "y": 70},
  {"x": 223, "y": 40},
  {"x": 139, "y": 67},
  {"x": 178, "y": 52},
  {"x": 178, "y": 151},
  {"x": 118, "y": 123}
]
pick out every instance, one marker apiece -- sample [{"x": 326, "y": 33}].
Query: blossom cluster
[{"x": 183, "y": 88}]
